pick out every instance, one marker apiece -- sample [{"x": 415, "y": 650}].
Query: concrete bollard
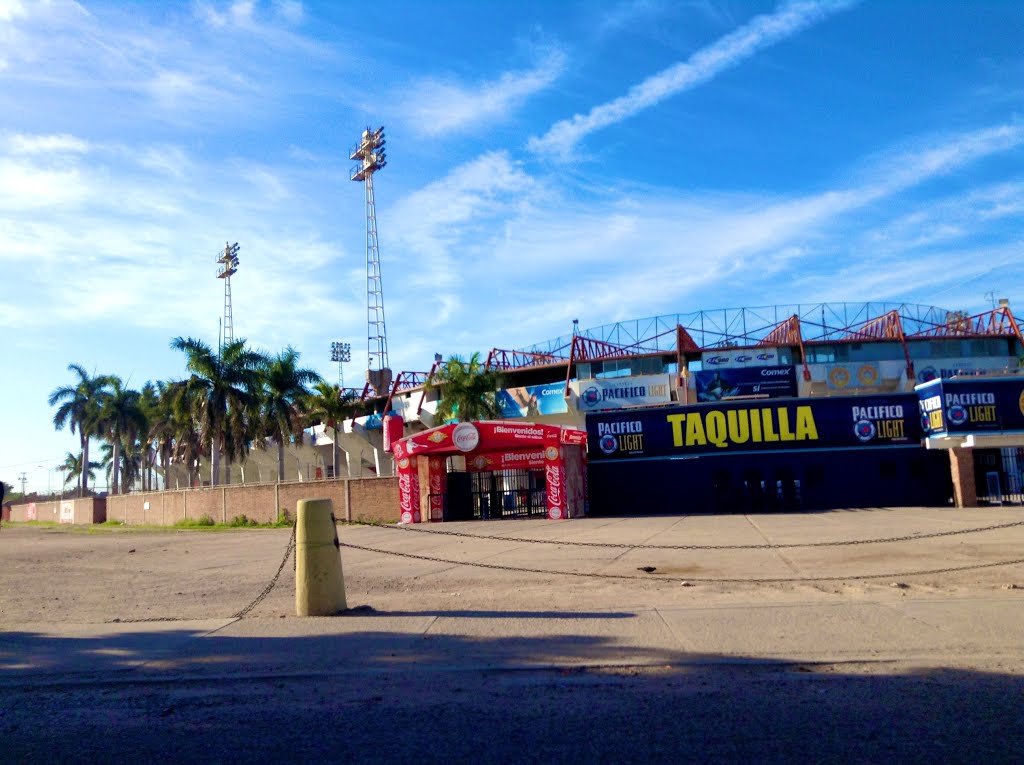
[{"x": 319, "y": 581}]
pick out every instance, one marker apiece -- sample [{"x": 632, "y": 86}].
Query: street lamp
[
  {"x": 341, "y": 352},
  {"x": 49, "y": 473}
]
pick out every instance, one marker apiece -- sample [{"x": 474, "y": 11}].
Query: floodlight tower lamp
[
  {"x": 227, "y": 267},
  {"x": 341, "y": 353}
]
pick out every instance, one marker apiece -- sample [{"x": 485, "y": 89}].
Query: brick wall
[{"x": 356, "y": 499}]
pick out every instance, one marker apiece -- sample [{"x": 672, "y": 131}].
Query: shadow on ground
[{"x": 384, "y": 695}]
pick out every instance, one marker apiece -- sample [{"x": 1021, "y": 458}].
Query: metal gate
[
  {"x": 509, "y": 494},
  {"x": 998, "y": 474}
]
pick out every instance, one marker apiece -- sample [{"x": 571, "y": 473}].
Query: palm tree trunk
[
  {"x": 280, "y": 461},
  {"x": 214, "y": 464},
  {"x": 85, "y": 465},
  {"x": 115, "y": 484}
]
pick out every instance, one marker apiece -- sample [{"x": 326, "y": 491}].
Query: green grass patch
[
  {"x": 242, "y": 520},
  {"x": 194, "y": 523}
]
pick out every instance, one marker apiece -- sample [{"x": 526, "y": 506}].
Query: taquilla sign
[{"x": 855, "y": 421}]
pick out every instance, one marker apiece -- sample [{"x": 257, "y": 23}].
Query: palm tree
[
  {"x": 71, "y": 468},
  {"x": 79, "y": 408},
  {"x": 179, "y": 434},
  {"x": 169, "y": 423},
  {"x": 283, "y": 399},
  {"x": 121, "y": 420},
  {"x": 222, "y": 392},
  {"x": 331, "y": 405},
  {"x": 467, "y": 390},
  {"x": 149, "y": 404}
]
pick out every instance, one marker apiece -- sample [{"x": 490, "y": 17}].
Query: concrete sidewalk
[
  {"x": 959, "y": 631},
  {"x": 594, "y": 607}
]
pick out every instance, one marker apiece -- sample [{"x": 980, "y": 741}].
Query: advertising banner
[
  {"x": 848, "y": 376},
  {"x": 620, "y": 392},
  {"x": 67, "y": 512},
  {"x": 971, "y": 405},
  {"x": 507, "y": 460},
  {"x": 721, "y": 384},
  {"x": 749, "y": 426},
  {"x": 747, "y": 357},
  {"x": 936, "y": 369},
  {"x": 573, "y": 436},
  {"x": 532, "y": 400},
  {"x": 487, "y": 436}
]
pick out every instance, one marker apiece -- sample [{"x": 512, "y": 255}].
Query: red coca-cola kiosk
[{"x": 554, "y": 454}]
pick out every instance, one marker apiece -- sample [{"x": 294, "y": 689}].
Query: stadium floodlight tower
[
  {"x": 227, "y": 266},
  {"x": 342, "y": 353},
  {"x": 370, "y": 155}
]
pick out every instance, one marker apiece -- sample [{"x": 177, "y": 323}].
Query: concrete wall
[{"x": 88, "y": 510}]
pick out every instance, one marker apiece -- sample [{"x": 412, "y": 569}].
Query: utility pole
[{"x": 24, "y": 479}]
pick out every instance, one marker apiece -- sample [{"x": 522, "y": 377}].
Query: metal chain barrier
[
  {"x": 266, "y": 590},
  {"x": 706, "y": 580},
  {"x": 763, "y": 546}
]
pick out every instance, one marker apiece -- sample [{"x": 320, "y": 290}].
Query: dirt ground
[
  {"x": 614, "y": 645},
  {"x": 64, "y": 574}
]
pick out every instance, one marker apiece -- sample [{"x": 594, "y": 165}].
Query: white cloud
[
  {"x": 238, "y": 13},
  {"x": 437, "y": 106},
  {"x": 45, "y": 144},
  {"x": 726, "y": 52},
  {"x": 11, "y": 9},
  {"x": 291, "y": 11},
  {"x": 650, "y": 251}
]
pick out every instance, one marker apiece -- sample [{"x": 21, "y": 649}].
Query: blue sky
[{"x": 547, "y": 161}]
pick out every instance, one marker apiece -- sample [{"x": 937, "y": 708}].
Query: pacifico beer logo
[
  {"x": 591, "y": 396},
  {"x": 626, "y": 436},
  {"x": 864, "y": 430},
  {"x": 957, "y": 414}
]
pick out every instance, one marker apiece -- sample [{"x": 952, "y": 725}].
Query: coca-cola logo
[
  {"x": 405, "y": 492},
  {"x": 555, "y": 513},
  {"x": 403, "y": 463},
  {"x": 554, "y": 479},
  {"x": 466, "y": 437},
  {"x": 551, "y": 452},
  {"x": 407, "y": 517},
  {"x": 435, "y": 484}
]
